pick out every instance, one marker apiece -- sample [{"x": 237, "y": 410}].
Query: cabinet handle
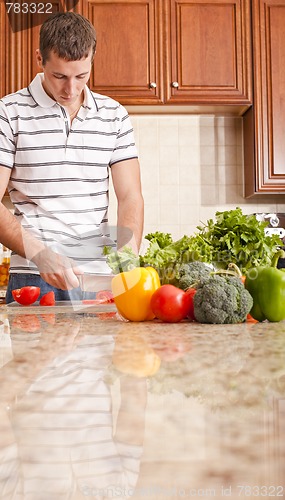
[
  {"x": 152, "y": 85},
  {"x": 175, "y": 85}
]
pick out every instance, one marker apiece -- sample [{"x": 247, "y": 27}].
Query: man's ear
[{"x": 39, "y": 59}]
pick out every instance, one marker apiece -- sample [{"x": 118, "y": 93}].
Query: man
[{"x": 58, "y": 141}]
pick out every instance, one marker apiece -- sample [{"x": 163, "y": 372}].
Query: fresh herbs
[{"x": 239, "y": 238}]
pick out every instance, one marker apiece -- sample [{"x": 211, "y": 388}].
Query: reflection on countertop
[{"x": 93, "y": 407}]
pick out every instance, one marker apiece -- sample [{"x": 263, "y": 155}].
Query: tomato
[
  {"x": 48, "y": 299},
  {"x": 26, "y": 295},
  {"x": 105, "y": 295},
  {"x": 102, "y": 297},
  {"x": 170, "y": 304},
  {"x": 191, "y": 292}
]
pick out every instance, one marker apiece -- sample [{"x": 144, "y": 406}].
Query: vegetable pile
[
  {"x": 232, "y": 238},
  {"x": 195, "y": 280}
]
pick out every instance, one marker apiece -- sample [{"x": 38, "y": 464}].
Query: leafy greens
[{"x": 231, "y": 237}]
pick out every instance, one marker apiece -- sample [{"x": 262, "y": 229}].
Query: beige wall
[{"x": 191, "y": 167}]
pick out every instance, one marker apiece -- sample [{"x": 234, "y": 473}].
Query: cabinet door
[
  {"x": 209, "y": 52},
  {"x": 265, "y": 171},
  {"x": 127, "y": 62}
]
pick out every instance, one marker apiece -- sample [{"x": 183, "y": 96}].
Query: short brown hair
[{"x": 70, "y": 35}]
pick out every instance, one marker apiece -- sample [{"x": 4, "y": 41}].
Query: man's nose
[{"x": 69, "y": 88}]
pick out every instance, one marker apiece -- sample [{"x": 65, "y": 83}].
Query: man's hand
[{"x": 57, "y": 270}]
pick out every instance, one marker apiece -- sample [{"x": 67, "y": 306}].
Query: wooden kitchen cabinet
[
  {"x": 153, "y": 51},
  {"x": 264, "y": 124},
  {"x": 208, "y": 52},
  {"x": 172, "y": 51},
  {"x": 128, "y": 60}
]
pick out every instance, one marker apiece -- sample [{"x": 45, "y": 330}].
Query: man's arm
[
  {"x": 55, "y": 270},
  {"x": 12, "y": 234},
  {"x": 127, "y": 185}
]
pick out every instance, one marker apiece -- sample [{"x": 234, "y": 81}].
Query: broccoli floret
[
  {"x": 222, "y": 300},
  {"x": 191, "y": 273}
]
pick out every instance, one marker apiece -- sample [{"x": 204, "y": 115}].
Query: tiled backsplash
[{"x": 191, "y": 166}]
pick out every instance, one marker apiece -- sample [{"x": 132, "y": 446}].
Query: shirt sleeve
[
  {"x": 125, "y": 148},
  {"x": 7, "y": 142}
]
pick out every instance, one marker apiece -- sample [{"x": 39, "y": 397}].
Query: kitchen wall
[{"x": 191, "y": 167}]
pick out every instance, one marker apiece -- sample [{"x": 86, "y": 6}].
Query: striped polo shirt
[{"x": 59, "y": 180}]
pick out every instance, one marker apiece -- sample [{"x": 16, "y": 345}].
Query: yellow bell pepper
[{"x": 132, "y": 292}]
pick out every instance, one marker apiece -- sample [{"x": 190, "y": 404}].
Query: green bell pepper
[{"x": 267, "y": 288}]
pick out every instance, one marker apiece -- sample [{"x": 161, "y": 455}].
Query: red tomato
[
  {"x": 170, "y": 304},
  {"x": 102, "y": 297},
  {"x": 191, "y": 292},
  {"x": 48, "y": 299},
  {"x": 26, "y": 295},
  {"x": 105, "y": 295}
]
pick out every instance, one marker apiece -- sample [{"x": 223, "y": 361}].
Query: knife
[{"x": 95, "y": 282}]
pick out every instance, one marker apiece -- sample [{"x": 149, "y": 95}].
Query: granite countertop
[{"x": 94, "y": 407}]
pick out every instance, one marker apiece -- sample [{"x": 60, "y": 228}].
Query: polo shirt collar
[
  {"x": 90, "y": 101},
  {"x": 39, "y": 94},
  {"x": 45, "y": 101}
]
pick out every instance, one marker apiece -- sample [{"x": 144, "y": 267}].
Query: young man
[{"x": 58, "y": 141}]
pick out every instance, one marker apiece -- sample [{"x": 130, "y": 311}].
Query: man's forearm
[
  {"x": 14, "y": 237},
  {"x": 130, "y": 223},
  {"x": 57, "y": 270}
]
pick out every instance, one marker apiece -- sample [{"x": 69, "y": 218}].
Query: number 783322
[{"x": 28, "y": 8}]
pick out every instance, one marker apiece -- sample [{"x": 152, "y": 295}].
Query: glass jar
[{"x": 4, "y": 270}]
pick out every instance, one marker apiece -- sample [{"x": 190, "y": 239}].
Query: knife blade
[{"x": 95, "y": 282}]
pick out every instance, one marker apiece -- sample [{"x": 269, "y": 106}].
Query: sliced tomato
[
  {"x": 105, "y": 295},
  {"x": 26, "y": 295},
  {"x": 48, "y": 299},
  {"x": 93, "y": 302},
  {"x": 102, "y": 297}
]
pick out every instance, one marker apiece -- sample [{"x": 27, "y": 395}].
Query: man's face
[{"x": 64, "y": 80}]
